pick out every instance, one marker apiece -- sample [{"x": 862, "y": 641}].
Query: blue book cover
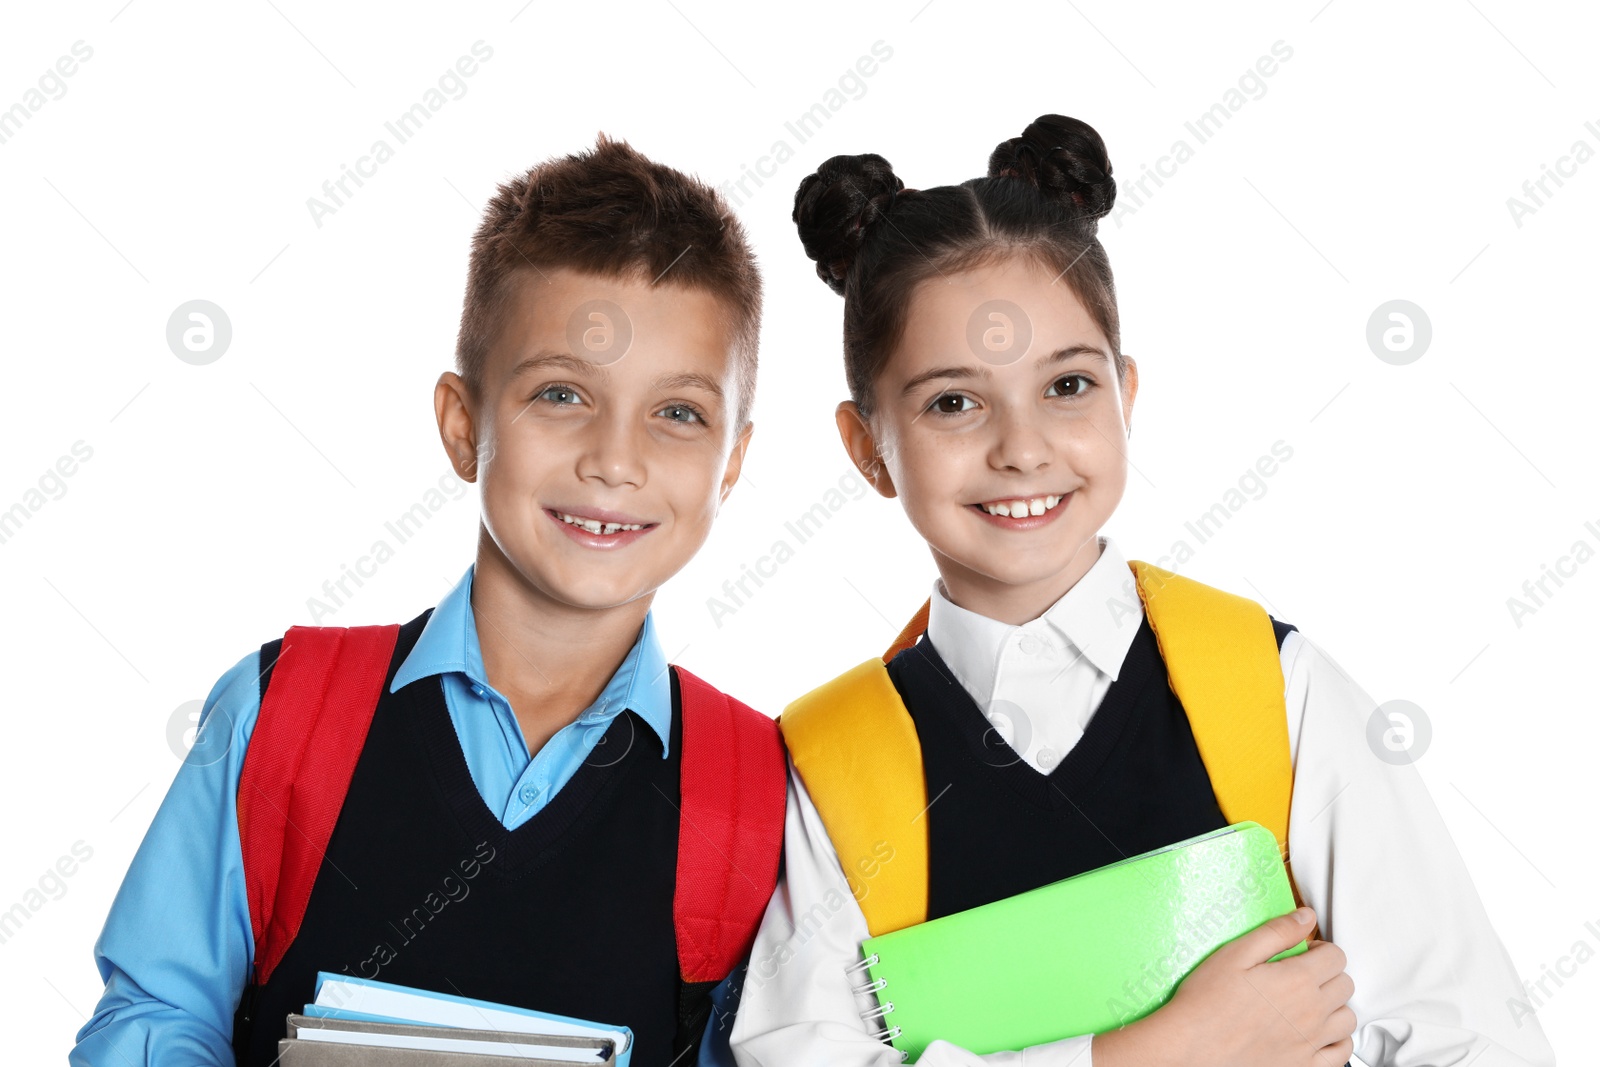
[{"x": 349, "y": 997}]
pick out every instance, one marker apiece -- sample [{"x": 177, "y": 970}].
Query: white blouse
[{"x": 1432, "y": 978}]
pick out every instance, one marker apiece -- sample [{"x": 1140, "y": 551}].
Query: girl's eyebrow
[{"x": 1060, "y": 355}]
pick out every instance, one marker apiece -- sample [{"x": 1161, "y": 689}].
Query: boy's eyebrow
[
  {"x": 542, "y": 359},
  {"x": 546, "y": 358},
  {"x": 971, "y": 371},
  {"x": 691, "y": 380}
]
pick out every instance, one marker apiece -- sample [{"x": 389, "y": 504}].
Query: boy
[{"x": 510, "y": 830}]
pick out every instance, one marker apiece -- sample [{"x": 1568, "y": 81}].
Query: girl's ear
[{"x": 863, "y": 448}]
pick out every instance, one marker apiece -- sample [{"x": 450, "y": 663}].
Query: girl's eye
[
  {"x": 951, "y": 403},
  {"x": 559, "y": 394},
  {"x": 681, "y": 413},
  {"x": 1064, "y": 386}
]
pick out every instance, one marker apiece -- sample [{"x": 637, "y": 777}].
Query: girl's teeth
[{"x": 1016, "y": 509}]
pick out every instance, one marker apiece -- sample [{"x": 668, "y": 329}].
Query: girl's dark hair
[{"x": 874, "y": 240}]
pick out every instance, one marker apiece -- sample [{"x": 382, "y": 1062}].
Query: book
[
  {"x": 369, "y": 1016},
  {"x": 326, "y": 1042},
  {"x": 1082, "y": 955}
]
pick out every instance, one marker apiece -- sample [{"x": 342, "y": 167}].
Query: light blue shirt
[{"x": 176, "y": 949}]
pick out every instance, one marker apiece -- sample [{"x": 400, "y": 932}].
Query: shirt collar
[
  {"x": 1094, "y": 617},
  {"x": 449, "y": 642}
]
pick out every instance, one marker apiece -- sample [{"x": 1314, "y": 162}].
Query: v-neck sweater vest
[
  {"x": 422, "y": 885},
  {"x": 997, "y": 827}
]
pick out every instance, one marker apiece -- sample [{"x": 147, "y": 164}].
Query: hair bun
[
  {"x": 1065, "y": 159},
  {"x": 835, "y": 207}
]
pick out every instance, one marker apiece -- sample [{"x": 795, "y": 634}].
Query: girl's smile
[{"x": 1022, "y": 512}]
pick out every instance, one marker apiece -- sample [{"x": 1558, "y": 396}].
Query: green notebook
[{"x": 1083, "y": 955}]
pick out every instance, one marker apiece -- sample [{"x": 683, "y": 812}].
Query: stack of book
[{"x": 358, "y": 1022}]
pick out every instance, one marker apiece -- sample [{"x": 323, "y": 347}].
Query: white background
[{"x": 1376, "y": 165}]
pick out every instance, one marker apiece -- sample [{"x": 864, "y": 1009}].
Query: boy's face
[
  {"x": 1001, "y": 391},
  {"x": 604, "y": 440}
]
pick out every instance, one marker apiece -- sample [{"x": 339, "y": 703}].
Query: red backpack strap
[
  {"x": 730, "y": 828},
  {"x": 313, "y": 721}
]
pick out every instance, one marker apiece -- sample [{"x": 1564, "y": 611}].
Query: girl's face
[{"x": 1000, "y": 423}]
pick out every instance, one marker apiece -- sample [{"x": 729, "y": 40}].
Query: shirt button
[
  {"x": 529, "y": 794},
  {"x": 1030, "y": 645},
  {"x": 477, "y": 690},
  {"x": 1047, "y": 758}
]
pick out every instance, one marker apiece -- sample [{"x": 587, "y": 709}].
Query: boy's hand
[{"x": 1237, "y": 1009}]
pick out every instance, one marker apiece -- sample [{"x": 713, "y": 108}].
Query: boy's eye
[
  {"x": 951, "y": 403},
  {"x": 1064, "y": 386},
  {"x": 559, "y": 394},
  {"x": 681, "y": 413}
]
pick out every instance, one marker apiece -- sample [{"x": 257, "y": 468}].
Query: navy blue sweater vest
[
  {"x": 997, "y": 827},
  {"x": 571, "y": 912}
]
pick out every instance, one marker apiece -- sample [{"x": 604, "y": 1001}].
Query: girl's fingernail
[{"x": 1302, "y": 916}]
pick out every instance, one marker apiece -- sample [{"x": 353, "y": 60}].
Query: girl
[{"x": 990, "y": 395}]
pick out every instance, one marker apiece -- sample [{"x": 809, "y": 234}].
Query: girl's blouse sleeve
[
  {"x": 1372, "y": 855},
  {"x": 798, "y": 1008}
]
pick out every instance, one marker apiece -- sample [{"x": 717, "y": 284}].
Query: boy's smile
[
  {"x": 599, "y": 528},
  {"x": 1008, "y": 464},
  {"x": 600, "y": 470}
]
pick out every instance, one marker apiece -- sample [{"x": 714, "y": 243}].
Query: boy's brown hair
[{"x": 616, "y": 213}]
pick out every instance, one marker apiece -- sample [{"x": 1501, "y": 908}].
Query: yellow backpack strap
[
  {"x": 856, "y": 749},
  {"x": 1222, "y": 662}
]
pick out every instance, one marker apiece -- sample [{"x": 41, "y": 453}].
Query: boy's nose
[{"x": 613, "y": 455}]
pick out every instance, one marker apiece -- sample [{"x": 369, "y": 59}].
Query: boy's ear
[
  {"x": 730, "y": 474},
  {"x": 863, "y": 447},
  {"x": 457, "y": 430},
  {"x": 1130, "y": 389}
]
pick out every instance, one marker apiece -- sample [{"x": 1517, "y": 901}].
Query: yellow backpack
[{"x": 856, "y": 748}]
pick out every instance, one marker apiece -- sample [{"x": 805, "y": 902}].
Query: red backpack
[{"x": 313, "y": 723}]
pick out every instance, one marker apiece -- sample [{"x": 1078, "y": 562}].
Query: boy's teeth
[
  {"x": 1037, "y": 505},
  {"x": 595, "y": 526}
]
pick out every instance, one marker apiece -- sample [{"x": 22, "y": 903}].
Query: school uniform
[
  {"x": 462, "y": 864},
  {"x": 1056, "y": 747}
]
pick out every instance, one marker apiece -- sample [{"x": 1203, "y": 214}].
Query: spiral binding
[
  {"x": 878, "y": 1014},
  {"x": 861, "y": 965}
]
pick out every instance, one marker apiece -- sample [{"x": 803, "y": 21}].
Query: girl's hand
[{"x": 1237, "y": 1009}]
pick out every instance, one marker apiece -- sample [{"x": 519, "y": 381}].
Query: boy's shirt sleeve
[
  {"x": 1372, "y": 855},
  {"x": 797, "y": 1006},
  {"x": 176, "y": 948}
]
